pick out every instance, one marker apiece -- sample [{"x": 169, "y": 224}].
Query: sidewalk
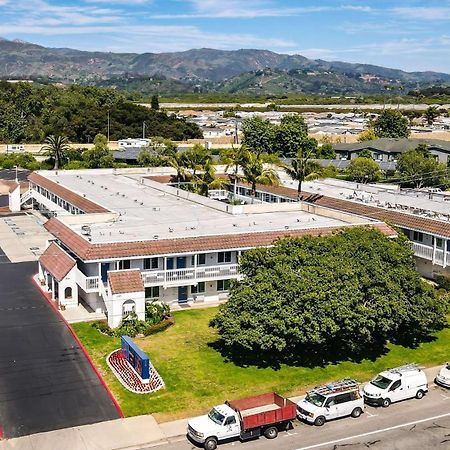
[{"x": 130, "y": 433}]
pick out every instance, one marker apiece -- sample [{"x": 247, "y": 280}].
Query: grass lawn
[{"x": 197, "y": 377}]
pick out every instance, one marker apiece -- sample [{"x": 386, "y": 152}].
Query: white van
[
  {"x": 397, "y": 384},
  {"x": 334, "y": 400}
]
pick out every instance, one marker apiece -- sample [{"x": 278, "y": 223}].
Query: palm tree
[
  {"x": 206, "y": 180},
  {"x": 55, "y": 147},
  {"x": 301, "y": 170},
  {"x": 233, "y": 157},
  {"x": 255, "y": 173},
  {"x": 301, "y": 166},
  {"x": 178, "y": 162}
]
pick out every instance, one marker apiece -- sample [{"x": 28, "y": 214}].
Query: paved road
[
  {"x": 46, "y": 382},
  {"x": 409, "y": 425}
]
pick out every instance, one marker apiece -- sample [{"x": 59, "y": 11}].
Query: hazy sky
[{"x": 411, "y": 35}]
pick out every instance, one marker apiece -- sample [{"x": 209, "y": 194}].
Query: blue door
[
  {"x": 181, "y": 262},
  {"x": 104, "y": 271},
  {"x": 182, "y": 294},
  {"x": 169, "y": 263}
]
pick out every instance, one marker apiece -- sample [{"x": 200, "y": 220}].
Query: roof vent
[{"x": 155, "y": 236}]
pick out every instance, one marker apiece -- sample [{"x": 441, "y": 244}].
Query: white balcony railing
[
  {"x": 191, "y": 275},
  {"x": 437, "y": 256}
]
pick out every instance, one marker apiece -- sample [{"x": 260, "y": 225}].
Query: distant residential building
[
  {"x": 387, "y": 149},
  {"x": 133, "y": 143}
]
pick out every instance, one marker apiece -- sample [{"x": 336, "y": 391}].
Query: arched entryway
[
  {"x": 68, "y": 292},
  {"x": 128, "y": 309}
]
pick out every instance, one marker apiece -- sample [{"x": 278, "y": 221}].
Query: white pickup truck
[{"x": 247, "y": 418}]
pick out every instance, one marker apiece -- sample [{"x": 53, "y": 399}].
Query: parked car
[
  {"x": 443, "y": 377},
  {"x": 247, "y": 418},
  {"x": 339, "y": 399},
  {"x": 397, "y": 384}
]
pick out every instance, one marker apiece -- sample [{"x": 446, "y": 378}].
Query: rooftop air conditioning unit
[{"x": 86, "y": 230}]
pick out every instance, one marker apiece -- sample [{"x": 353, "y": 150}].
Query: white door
[
  {"x": 331, "y": 408},
  {"x": 231, "y": 427},
  {"x": 397, "y": 391}
]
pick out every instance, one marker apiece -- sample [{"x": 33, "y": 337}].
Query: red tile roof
[
  {"x": 74, "y": 199},
  {"x": 125, "y": 281},
  {"x": 400, "y": 219},
  {"x": 56, "y": 261},
  {"x": 88, "y": 251},
  {"x": 13, "y": 187}
]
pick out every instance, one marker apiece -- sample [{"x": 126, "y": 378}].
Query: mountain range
[{"x": 233, "y": 71}]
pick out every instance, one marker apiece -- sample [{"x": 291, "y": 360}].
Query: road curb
[{"x": 77, "y": 339}]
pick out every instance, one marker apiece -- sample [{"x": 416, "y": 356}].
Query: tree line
[{"x": 31, "y": 113}]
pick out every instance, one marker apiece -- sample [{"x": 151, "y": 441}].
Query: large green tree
[
  {"x": 364, "y": 170},
  {"x": 349, "y": 292},
  {"x": 391, "y": 124},
  {"x": 418, "y": 168},
  {"x": 291, "y": 135},
  {"x": 259, "y": 135}
]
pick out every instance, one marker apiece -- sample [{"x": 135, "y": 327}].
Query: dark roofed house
[{"x": 388, "y": 149}]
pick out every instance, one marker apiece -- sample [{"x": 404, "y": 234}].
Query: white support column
[
  {"x": 195, "y": 265},
  {"x": 445, "y": 252},
  {"x": 165, "y": 272},
  {"x": 434, "y": 249}
]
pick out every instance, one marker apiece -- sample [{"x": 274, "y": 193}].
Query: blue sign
[{"x": 136, "y": 357}]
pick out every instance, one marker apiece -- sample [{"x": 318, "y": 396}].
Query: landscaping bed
[{"x": 197, "y": 376}]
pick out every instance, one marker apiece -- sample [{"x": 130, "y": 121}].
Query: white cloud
[
  {"x": 423, "y": 13},
  {"x": 250, "y": 9}
]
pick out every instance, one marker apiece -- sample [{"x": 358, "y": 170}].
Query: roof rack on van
[
  {"x": 405, "y": 368},
  {"x": 337, "y": 386}
]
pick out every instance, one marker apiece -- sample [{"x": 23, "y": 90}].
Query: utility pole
[
  {"x": 17, "y": 178},
  {"x": 143, "y": 130}
]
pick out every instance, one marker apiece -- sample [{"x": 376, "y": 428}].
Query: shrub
[{"x": 443, "y": 282}]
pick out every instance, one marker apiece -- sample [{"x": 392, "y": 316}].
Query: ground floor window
[
  {"x": 152, "y": 292},
  {"x": 199, "y": 289},
  {"x": 223, "y": 285},
  {"x": 68, "y": 292}
]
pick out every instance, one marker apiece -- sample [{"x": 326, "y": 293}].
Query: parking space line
[
  {"x": 370, "y": 414},
  {"x": 383, "y": 430}
]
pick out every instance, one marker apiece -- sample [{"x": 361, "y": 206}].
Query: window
[
  {"x": 199, "y": 289},
  {"x": 201, "y": 259},
  {"x": 152, "y": 292},
  {"x": 230, "y": 420},
  {"x": 417, "y": 236},
  {"x": 439, "y": 242},
  {"x": 150, "y": 263},
  {"x": 124, "y": 264},
  {"x": 224, "y": 257},
  {"x": 395, "y": 385},
  {"x": 223, "y": 285},
  {"x": 343, "y": 398}
]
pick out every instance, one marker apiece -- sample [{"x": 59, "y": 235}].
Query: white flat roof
[{"x": 144, "y": 212}]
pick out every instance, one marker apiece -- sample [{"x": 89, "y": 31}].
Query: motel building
[{"x": 122, "y": 237}]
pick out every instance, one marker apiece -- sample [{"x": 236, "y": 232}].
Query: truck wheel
[
  {"x": 420, "y": 394},
  {"x": 210, "y": 444},
  {"x": 319, "y": 421},
  {"x": 356, "y": 412},
  {"x": 271, "y": 433},
  {"x": 385, "y": 403}
]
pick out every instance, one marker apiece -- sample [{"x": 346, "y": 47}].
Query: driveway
[{"x": 46, "y": 382}]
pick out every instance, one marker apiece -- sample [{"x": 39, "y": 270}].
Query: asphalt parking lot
[{"x": 46, "y": 382}]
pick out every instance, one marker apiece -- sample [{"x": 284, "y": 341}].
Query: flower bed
[{"x": 129, "y": 379}]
